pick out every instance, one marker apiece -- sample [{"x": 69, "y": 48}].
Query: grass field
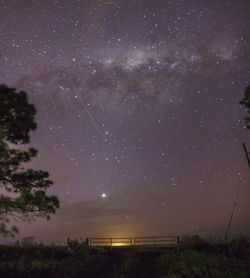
[{"x": 191, "y": 258}]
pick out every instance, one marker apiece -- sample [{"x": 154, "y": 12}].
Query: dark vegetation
[
  {"x": 246, "y": 102},
  {"x": 193, "y": 257},
  {"x": 22, "y": 190}
]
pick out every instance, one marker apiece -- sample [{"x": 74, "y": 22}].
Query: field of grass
[{"x": 192, "y": 258}]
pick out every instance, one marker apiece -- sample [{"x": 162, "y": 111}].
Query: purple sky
[{"x": 139, "y": 101}]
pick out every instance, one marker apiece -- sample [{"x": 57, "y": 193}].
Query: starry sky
[{"x": 139, "y": 122}]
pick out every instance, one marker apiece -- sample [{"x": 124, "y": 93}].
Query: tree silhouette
[
  {"x": 246, "y": 101},
  {"x": 22, "y": 190}
]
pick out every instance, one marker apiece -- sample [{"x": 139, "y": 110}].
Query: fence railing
[
  {"x": 127, "y": 241},
  {"x": 159, "y": 240},
  {"x": 136, "y": 241}
]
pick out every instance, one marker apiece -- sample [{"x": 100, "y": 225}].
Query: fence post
[{"x": 90, "y": 246}]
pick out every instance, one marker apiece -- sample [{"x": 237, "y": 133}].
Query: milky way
[{"x": 139, "y": 122}]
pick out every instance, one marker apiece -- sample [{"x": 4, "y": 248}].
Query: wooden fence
[
  {"x": 156, "y": 241},
  {"x": 137, "y": 241},
  {"x": 112, "y": 242}
]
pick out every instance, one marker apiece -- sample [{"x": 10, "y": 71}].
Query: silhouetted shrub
[{"x": 77, "y": 248}]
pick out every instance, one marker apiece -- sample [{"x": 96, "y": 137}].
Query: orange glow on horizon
[{"x": 120, "y": 244}]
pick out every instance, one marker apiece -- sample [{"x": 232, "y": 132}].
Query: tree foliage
[
  {"x": 246, "y": 102},
  {"x": 22, "y": 190}
]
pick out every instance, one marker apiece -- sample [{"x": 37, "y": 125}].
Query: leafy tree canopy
[
  {"x": 22, "y": 190},
  {"x": 246, "y": 101}
]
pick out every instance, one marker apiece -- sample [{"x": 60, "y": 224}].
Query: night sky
[{"x": 139, "y": 122}]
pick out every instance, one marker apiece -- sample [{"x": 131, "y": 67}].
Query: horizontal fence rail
[
  {"x": 160, "y": 240},
  {"x": 127, "y": 241},
  {"x": 137, "y": 241}
]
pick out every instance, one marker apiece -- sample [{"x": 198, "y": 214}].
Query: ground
[{"x": 201, "y": 260}]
